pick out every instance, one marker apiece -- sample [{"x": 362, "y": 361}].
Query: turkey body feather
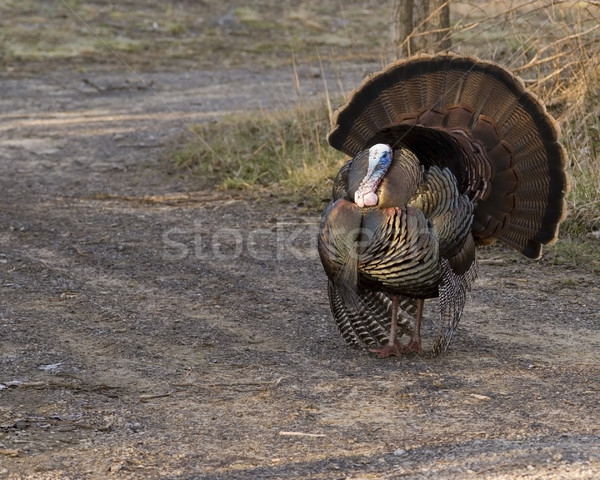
[{"x": 448, "y": 153}]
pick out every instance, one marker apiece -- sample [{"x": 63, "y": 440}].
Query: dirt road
[{"x": 154, "y": 328}]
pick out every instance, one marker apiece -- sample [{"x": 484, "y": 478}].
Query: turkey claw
[
  {"x": 389, "y": 351},
  {"x": 414, "y": 347},
  {"x": 397, "y": 350}
]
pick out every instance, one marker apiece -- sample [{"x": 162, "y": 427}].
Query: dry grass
[{"x": 284, "y": 150}]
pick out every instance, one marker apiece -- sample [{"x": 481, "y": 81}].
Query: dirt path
[{"x": 155, "y": 329}]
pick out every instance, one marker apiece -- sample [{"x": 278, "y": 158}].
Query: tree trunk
[
  {"x": 426, "y": 24},
  {"x": 403, "y": 27},
  {"x": 440, "y": 24}
]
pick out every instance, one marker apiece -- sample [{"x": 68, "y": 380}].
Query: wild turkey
[{"x": 448, "y": 153}]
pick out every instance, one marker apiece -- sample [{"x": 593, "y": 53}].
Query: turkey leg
[
  {"x": 394, "y": 347},
  {"x": 414, "y": 346}
]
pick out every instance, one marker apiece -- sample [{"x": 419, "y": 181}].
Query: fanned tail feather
[{"x": 478, "y": 119}]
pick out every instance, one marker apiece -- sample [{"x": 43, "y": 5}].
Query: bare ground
[{"x": 154, "y": 328}]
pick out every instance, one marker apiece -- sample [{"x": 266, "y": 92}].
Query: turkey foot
[
  {"x": 396, "y": 349},
  {"x": 414, "y": 346}
]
